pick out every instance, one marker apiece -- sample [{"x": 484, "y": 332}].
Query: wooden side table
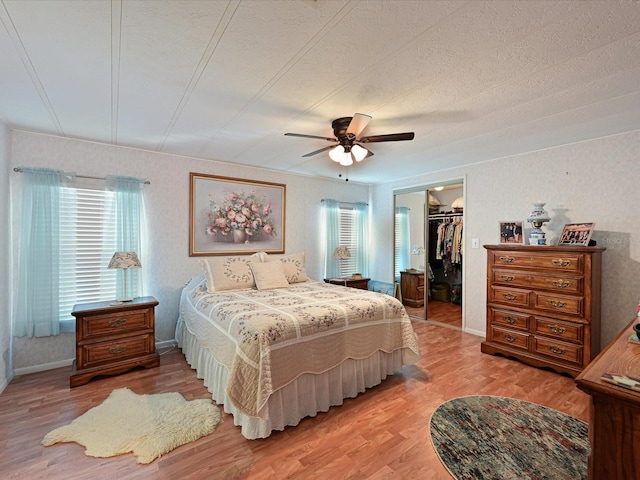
[
  {"x": 614, "y": 420},
  {"x": 412, "y": 287},
  {"x": 361, "y": 283},
  {"x": 111, "y": 339}
]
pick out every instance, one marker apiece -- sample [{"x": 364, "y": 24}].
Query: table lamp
[{"x": 124, "y": 260}]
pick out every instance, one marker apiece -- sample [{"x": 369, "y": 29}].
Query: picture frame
[
  {"x": 235, "y": 216},
  {"x": 512, "y": 232},
  {"x": 576, "y": 234}
]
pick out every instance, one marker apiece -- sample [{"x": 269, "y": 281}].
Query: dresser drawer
[
  {"x": 509, "y": 319},
  {"x": 571, "y": 332},
  {"x": 509, "y": 337},
  {"x": 510, "y": 296},
  {"x": 114, "y": 324},
  {"x": 102, "y": 353},
  {"x": 555, "y": 349},
  {"x": 559, "y": 304},
  {"x": 538, "y": 280},
  {"x": 569, "y": 262}
]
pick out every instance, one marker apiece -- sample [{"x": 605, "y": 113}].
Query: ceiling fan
[{"x": 348, "y": 148}]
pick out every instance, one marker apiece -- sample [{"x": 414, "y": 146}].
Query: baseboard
[
  {"x": 42, "y": 367},
  {"x": 475, "y": 332},
  {"x": 167, "y": 344}
]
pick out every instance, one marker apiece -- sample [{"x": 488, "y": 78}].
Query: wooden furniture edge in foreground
[{"x": 614, "y": 419}]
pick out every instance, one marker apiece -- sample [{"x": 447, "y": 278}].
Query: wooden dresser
[
  {"x": 412, "y": 288},
  {"x": 112, "y": 339},
  {"x": 543, "y": 305},
  {"x": 614, "y": 420}
]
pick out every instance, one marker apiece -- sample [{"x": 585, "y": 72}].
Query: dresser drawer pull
[
  {"x": 119, "y": 349},
  {"x": 561, "y": 283},
  {"x": 556, "y": 304},
  {"x": 120, "y": 322},
  {"x": 510, "y": 320},
  {"x": 556, "y": 350},
  {"x": 509, "y": 338},
  {"x": 509, "y": 296},
  {"x": 557, "y": 329},
  {"x": 506, "y": 278},
  {"x": 561, "y": 263},
  {"x": 505, "y": 259}
]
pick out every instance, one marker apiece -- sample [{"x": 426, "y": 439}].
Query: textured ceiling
[{"x": 224, "y": 80}]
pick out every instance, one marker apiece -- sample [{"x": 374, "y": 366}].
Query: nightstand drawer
[
  {"x": 114, "y": 324},
  {"x": 96, "y": 354}
]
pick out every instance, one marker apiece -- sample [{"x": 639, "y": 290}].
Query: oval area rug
[{"x": 488, "y": 437}]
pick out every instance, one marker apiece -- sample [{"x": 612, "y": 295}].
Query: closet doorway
[{"x": 428, "y": 253}]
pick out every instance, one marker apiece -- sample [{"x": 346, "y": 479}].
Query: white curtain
[
  {"x": 37, "y": 298},
  {"x": 129, "y": 211},
  {"x": 331, "y": 221},
  {"x": 403, "y": 240},
  {"x": 362, "y": 237}
]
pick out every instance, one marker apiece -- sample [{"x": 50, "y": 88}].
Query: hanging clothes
[{"x": 448, "y": 241}]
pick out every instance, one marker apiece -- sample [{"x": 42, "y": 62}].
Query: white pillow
[
  {"x": 269, "y": 275},
  {"x": 229, "y": 273},
  {"x": 294, "y": 268}
]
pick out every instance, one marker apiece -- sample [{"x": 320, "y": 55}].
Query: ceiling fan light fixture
[
  {"x": 337, "y": 154},
  {"x": 359, "y": 153},
  {"x": 346, "y": 159}
]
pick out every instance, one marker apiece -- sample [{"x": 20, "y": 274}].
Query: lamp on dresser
[{"x": 124, "y": 261}]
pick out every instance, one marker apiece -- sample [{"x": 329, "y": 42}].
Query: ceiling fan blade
[
  {"x": 392, "y": 137},
  {"x": 310, "y": 154},
  {"x": 358, "y": 123},
  {"x": 310, "y": 136}
]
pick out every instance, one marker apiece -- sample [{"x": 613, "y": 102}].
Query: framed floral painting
[{"x": 232, "y": 216}]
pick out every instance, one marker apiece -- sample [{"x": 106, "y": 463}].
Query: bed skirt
[{"x": 304, "y": 397}]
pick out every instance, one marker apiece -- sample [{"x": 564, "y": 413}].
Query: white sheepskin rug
[{"x": 147, "y": 425}]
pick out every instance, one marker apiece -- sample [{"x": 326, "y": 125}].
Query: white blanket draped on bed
[{"x": 267, "y": 339}]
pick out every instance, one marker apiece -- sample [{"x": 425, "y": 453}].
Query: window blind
[{"x": 88, "y": 240}]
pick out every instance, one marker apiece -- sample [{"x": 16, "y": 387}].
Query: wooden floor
[
  {"x": 445, "y": 313},
  {"x": 383, "y": 433}
]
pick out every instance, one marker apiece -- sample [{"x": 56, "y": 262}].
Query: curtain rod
[
  {"x": 146, "y": 182},
  {"x": 346, "y": 203}
]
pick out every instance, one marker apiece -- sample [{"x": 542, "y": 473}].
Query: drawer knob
[
  {"x": 506, "y": 259},
  {"x": 119, "y": 349},
  {"x": 557, "y": 304},
  {"x": 510, "y": 320},
  {"x": 556, "y": 350},
  {"x": 557, "y": 329},
  {"x": 560, "y": 262},
  {"x": 509, "y": 296},
  {"x": 561, "y": 283},
  {"x": 120, "y": 322},
  {"x": 508, "y": 338},
  {"x": 506, "y": 278}
]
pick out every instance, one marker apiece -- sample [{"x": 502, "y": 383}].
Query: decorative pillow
[
  {"x": 229, "y": 273},
  {"x": 269, "y": 275},
  {"x": 294, "y": 268}
]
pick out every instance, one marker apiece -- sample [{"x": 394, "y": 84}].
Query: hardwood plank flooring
[
  {"x": 445, "y": 313},
  {"x": 383, "y": 433}
]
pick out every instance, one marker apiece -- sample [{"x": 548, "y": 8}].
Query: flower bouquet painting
[{"x": 230, "y": 216}]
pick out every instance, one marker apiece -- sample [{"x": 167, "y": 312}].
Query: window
[
  {"x": 87, "y": 242},
  {"x": 345, "y": 225}
]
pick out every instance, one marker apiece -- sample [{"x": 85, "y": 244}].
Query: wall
[
  {"x": 5, "y": 255},
  {"x": 593, "y": 181},
  {"x": 169, "y": 265}
]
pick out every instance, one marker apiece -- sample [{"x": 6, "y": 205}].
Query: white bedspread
[{"x": 266, "y": 339}]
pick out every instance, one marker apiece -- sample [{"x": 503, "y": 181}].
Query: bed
[{"x": 274, "y": 346}]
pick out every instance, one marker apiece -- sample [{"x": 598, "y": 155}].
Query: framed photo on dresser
[
  {"x": 576, "y": 234},
  {"x": 511, "y": 232}
]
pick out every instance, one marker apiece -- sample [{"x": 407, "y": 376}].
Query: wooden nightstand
[
  {"x": 412, "y": 288},
  {"x": 361, "y": 283},
  {"x": 111, "y": 339}
]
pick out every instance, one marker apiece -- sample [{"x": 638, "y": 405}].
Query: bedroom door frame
[{"x": 426, "y": 188}]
